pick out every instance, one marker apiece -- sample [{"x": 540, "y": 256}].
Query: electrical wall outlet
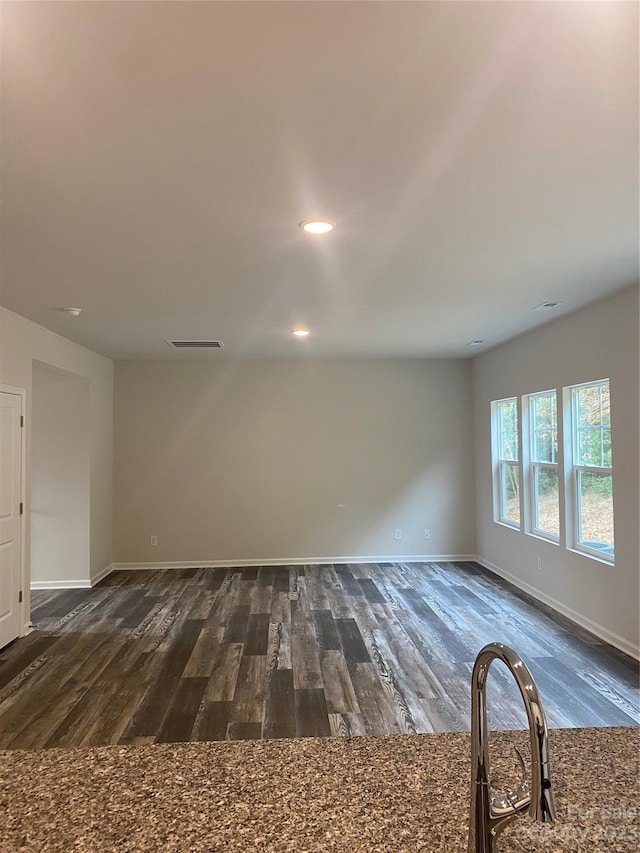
[
  {"x": 153, "y": 540},
  {"x": 397, "y": 534},
  {"x": 427, "y": 533}
]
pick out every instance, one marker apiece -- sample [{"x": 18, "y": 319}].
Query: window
[
  {"x": 506, "y": 462},
  {"x": 565, "y": 464},
  {"x": 543, "y": 470},
  {"x": 591, "y": 469}
]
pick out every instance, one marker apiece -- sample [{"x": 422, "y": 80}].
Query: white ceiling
[{"x": 478, "y": 158}]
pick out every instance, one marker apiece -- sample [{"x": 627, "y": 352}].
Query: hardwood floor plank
[
  {"x": 211, "y": 721},
  {"x": 245, "y": 592},
  {"x": 200, "y": 602},
  {"x": 225, "y": 602},
  {"x": 348, "y": 583},
  {"x": 338, "y": 689},
  {"x": 177, "y": 724},
  {"x": 280, "y": 607},
  {"x": 19, "y": 681},
  {"x": 14, "y": 667},
  {"x": 279, "y": 708},
  {"x": 351, "y": 640},
  {"x": 244, "y": 731},
  {"x": 285, "y": 657},
  {"x": 266, "y": 575},
  {"x": 339, "y": 603},
  {"x": 346, "y": 725},
  {"x": 248, "y": 699},
  {"x": 99, "y": 711},
  {"x": 371, "y": 591},
  {"x": 250, "y": 573},
  {"x": 257, "y": 634},
  {"x": 293, "y": 583},
  {"x": 151, "y": 711},
  {"x": 203, "y": 656},
  {"x": 91, "y": 656},
  {"x": 212, "y": 579},
  {"x": 62, "y": 604},
  {"x": 586, "y": 703},
  {"x": 377, "y": 710},
  {"x": 33, "y": 696},
  {"x": 407, "y": 713},
  {"x": 326, "y": 630},
  {"x": 305, "y": 655},
  {"x": 317, "y": 580},
  {"x": 138, "y": 613},
  {"x": 281, "y": 579},
  {"x": 237, "y": 627},
  {"x": 107, "y": 721},
  {"x": 261, "y": 599},
  {"x": 224, "y": 673},
  {"x": 312, "y": 719}
]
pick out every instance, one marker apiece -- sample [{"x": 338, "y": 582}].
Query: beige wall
[
  {"x": 60, "y": 469},
  {"x": 23, "y": 342},
  {"x": 276, "y": 460},
  {"x": 598, "y": 342}
]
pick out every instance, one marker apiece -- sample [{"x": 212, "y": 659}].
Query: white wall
[
  {"x": 598, "y": 342},
  {"x": 259, "y": 460},
  {"x": 60, "y": 470},
  {"x": 23, "y": 342}
]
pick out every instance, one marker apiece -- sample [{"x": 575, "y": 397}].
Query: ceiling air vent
[
  {"x": 546, "y": 306},
  {"x": 196, "y": 344}
]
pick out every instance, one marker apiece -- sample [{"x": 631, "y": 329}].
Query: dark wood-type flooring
[{"x": 283, "y": 652}]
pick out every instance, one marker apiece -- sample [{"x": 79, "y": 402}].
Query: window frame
[
  {"x": 532, "y": 466},
  {"x": 574, "y": 470},
  {"x": 500, "y": 464}
]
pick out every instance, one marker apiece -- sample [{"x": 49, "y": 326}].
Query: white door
[{"x": 10, "y": 512}]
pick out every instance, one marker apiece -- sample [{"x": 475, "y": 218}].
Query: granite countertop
[{"x": 397, "y": 793}]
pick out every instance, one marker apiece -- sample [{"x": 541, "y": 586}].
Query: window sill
[
  {"x": 516, "y": 527},
  {"x": 541, "y": 536},
  {"x": 599, "y": 558}
]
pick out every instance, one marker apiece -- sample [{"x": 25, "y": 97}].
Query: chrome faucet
[{"x": 489, "y": 814}]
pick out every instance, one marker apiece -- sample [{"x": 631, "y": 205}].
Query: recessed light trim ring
[{"x": 317, "y": 226}]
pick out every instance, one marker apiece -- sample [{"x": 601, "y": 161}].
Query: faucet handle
[
  {"x": 523, "y": 769},
  {"x": 516, "y": 800},
  {"x": 520, "y": 797}
]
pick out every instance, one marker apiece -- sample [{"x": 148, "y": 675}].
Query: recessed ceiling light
[
  {"x": 72, "y": 312},
  {"x": 300, "y": 333},
  {"x": 475, "y": 343},
  {"x": 317, "y": 226}
]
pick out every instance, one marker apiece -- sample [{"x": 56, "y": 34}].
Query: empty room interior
[{"x": 320, "y": 392}]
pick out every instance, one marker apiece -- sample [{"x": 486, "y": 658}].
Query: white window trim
[
  {"x": 498, "y": 464},
  {"x": 529, "y": 466},
  {"x": 572, "y": 497}
]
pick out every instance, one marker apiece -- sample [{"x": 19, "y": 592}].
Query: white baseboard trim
[
  {"x": 62, "y": 584},
  {"x": 594, "y": 627},
  {"x": 73, "y": 584},
  {"x": 294, "y": 561},
  {"x": 102, "y": 575}
]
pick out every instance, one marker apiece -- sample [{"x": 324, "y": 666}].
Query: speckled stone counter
[{"x": 400, "y": 793}]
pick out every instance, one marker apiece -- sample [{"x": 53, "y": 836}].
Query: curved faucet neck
[{"x": 490, "y": 815}]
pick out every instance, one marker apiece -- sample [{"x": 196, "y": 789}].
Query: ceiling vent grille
[
  {"x": 546, "y": 306},
  {"x": 196, "y": 344}
]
